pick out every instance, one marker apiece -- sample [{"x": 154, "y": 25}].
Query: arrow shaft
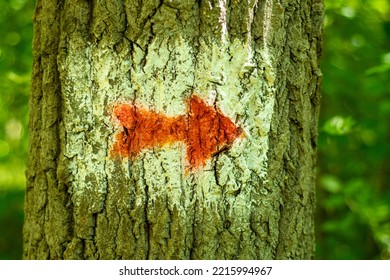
[{"x": 144, "y": 129}]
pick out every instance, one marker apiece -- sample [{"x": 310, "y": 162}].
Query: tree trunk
[{"x": 244, "y": 189}]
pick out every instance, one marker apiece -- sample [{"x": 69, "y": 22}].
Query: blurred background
[
  {"x": 353, "y": 194},
  {"x": 15, "y": 72}
]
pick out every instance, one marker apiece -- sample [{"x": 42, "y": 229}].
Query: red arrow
[{"x": 205, "y": 131}]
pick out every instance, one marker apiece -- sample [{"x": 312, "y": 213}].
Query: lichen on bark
[{"x": 257, "y": 61}]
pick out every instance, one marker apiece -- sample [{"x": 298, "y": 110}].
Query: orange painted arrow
[{"x": 204, "y": 130}]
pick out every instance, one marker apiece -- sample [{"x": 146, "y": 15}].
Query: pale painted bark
[{"x": 258, "y": 61}]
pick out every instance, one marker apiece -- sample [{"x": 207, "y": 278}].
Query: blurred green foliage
[
  {"x": 353, "y": 211},
  {"x": 15, "y": 72},
  {"x": 353, "y": 220}
]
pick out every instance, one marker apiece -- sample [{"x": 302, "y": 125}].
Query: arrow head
[{"x": 209, "y": 131}]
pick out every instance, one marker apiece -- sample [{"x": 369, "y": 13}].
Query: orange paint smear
[
  {"x": 209, "y": 131},
  {"x": 204, "y": 130},
  {"x": 145, "y": 129}
]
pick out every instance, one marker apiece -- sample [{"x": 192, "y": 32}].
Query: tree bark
[{"x": 255, "y": 62}]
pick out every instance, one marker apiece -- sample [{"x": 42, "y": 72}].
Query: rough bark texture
[{"x": 257, "y": 61}]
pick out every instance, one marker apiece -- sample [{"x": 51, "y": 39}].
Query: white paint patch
[
  {"x": 222, "y": 20},
  {"x": 91, "y": 80},
  {"x": 265, "y": 53},
  {"x": 210, "y": 5},
  {"x": 95, "y": 78},
  {"x": 267, "y": 22}
]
